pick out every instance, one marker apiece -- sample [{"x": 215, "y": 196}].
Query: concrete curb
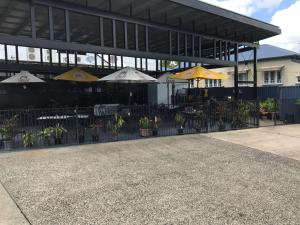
[{"x": 10, "y": 214}]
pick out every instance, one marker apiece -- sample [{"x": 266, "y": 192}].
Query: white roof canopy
[
  {"x": 22, "y": 78},
  {"x": 128, "y": 75}
]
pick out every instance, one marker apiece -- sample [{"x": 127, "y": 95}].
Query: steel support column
[
  {"x": 255, "y": 95},
  {"x": 236, "y": 72}
]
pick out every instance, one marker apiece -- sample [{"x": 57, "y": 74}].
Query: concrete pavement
[
  {"x": 189, "y": 179},
  {"x": 279, "y": 140},
  {"x": 10, "y": 214}
]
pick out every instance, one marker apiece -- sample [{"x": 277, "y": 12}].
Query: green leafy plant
[
  {"x": 242, "y": 114},
  {"x": 29, "y": 139},
  {"x": 179, "y": 120},
  {"x": 268, "y": 106},
  {"x": 116, "y": 124},
  {"x": 155, "y": 121},
  {"x": 58, "y": 132},
  {"x": 144, "y": 123},
  {"x": 8, "y": 128},
  {"x": 221, "y": 112},
  {"x": 297, "y": 102},
  {"x": 200, "y": 120},
  {"x": 46, "y": 134}
]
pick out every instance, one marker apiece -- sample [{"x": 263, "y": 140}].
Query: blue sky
[
  {"x": 266, "y": 15},
  {"x": 282, "y": 13}
]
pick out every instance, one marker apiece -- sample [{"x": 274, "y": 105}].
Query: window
[
  {"x": 298, "y": 79},
  {"x": 243, "y": 77},
  {"x": 272, "y": 77},
  {"x": 213, "y": 83}
]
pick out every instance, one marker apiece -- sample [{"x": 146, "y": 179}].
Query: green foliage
[
  {"x": 29, "y": 139},
  {"x": 170, "y": 64},
  {"x": 46, "y": 133},
  {"x": 268, "y": 106},
  {"x": 297, "y": 102},
  {"x": 242, "y": 114},
  {"x": 144, "y": 123},
  {"x": 200, "y": 120},
  {"x": 179, "y": 120},
  {"x": 8, "y": 128},
  {"x": 58, "y": 130},
  {"x": 116, "y": 124},
  {"x": 155, "y": 122}
]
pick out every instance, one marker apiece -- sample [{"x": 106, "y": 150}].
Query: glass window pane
[
  {"x": 59, "y": 24},
  {"x": 42, "y": 22},
  {"x": 131, "y": 36},
  {"x": 120, "y": 31},
  {"x": 142, "y": 37},
  {"x": 84, "y": 29},
  {"x": 278, "y": 76}
]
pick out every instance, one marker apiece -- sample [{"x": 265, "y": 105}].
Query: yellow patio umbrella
[
  {"x": 198, "y": 72},
  {"x": 77, "y": 75}
]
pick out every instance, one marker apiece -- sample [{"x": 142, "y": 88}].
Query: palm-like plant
[{"x": 116, "y": 124}]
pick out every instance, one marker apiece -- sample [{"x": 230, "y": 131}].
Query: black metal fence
[{"x": 105, "y": 123}]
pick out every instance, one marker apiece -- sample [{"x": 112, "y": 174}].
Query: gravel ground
[{"x": 175, "y": 180}]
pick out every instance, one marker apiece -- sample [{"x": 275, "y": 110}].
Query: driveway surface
[
  {"x": 191, "y": 179},
  {"x": 280, "y": 140}
]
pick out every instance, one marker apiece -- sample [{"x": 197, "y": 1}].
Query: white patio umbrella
[
  {"x": 128, "y": 75},
  {"x": 24, "y": 77}
]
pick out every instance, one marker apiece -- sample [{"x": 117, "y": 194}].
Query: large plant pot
[
  {"x": 8, "y": 145},
  {"x": 46, "y": 142},
  {"x": 145, "y": 132},
  {"x": 180, "y": 131},
  {"x": 222, "y": 126},
  {"x": 95, "y": 138},
  {"x": 198, "y": 130},
  {"x": 57, "y": 141},
  {"x": 155, "y": 132},
  {"x": 81, "y": 139}
]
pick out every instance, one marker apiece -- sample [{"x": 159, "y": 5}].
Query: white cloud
[
  {"x": 288, "y": 20},
  {"x": 246, "y": 7}
]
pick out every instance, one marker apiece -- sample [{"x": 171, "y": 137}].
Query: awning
[{"x": 271, "y": 68}]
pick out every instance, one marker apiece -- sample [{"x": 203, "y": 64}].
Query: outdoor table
[
  {"x": 63, "y": 117},
  {"x": 57, "y": 117}
]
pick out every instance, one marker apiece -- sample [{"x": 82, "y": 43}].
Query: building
[
  {"x": 276, "y": 67},
  {"x": 105, "y": 36}
]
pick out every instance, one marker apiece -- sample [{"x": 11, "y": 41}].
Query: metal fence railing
[{"x": 104, "y": 123}]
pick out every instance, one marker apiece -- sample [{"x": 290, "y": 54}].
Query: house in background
[{"x": 276, "y": 67}]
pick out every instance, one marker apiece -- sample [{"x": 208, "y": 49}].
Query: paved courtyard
[{"x": 192, "y": 179}]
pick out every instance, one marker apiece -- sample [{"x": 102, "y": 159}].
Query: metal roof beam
[
  {"x": 195, "y": 4},
  {"x": 41, "y": 43},
  {"x": 94, "y": 12}
]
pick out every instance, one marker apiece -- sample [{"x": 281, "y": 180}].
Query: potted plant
[
  {"x": 58, "y": 132},
  {"x": 45, "y": 135},
  {"x": 154, "y": 125},
  {"x": 115, "y": 125},
  {"x": 242, "y": 114},
  {"x": 28, "y": 139},
  {"x": 144, "y": 124},
  {"x": 200, "y": 121},
  {"x": 8, "y": 131},
  {"x": 179, "y": 122},
  {"x": 268, "y": 108}
]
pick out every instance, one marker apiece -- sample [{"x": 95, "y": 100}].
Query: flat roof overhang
[
  {"x": 189, "y": 15},
  {"x": 186, "y": 31}
]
